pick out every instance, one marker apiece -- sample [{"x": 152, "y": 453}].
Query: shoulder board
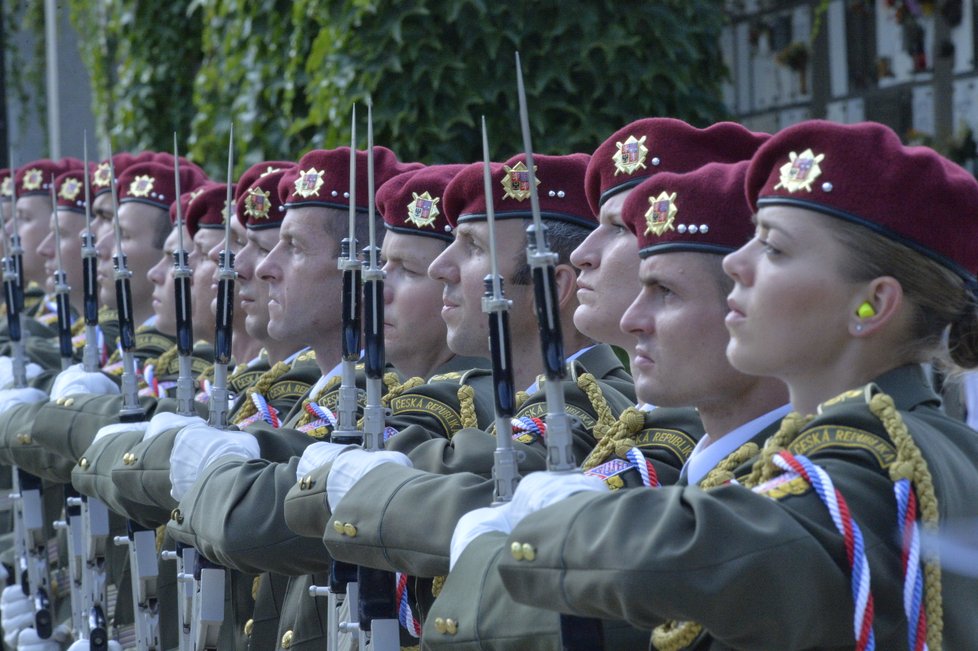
[
  {"x": 826, "y": 437},
  {"x": 452, "y": 376}
]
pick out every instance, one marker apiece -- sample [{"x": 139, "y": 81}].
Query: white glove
[
  {"x": 197, "y": 446},
  {"x": 351, "y": 466},
  {"x": 10, "y": 398},
  {"x": 475, "y": 523},
  {"x": 75, "y": 379},
  {"x": 319, "y": 454},
  {"x": 16, "y": 613},
  {"x": 85, "y": 645},
  {"x": 539, "y": 490},
  {"x": 166, "y": 420},
  {"x": 7, "y": 371},
  {"x": 30, "y": 641},
  {"x": 119, "y": 428}
]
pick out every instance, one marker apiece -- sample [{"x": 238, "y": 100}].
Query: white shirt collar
[{"x": 533, "y": 388}]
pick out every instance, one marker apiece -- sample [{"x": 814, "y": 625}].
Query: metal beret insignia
[
  {"x": 6, "y": 187},
  {"x": 141, "y": 186},
  {"x": 661, "y": 213},
  {"x": 800, "y": 171},
  {"x": 309, "y": 182},
  {"x": 268, "y": 171},
  {"x": 70, "y": 189},
  {"x": 33, "y": 178},
  {"x": 423, "y": 211},
  {"x": 257, "y": 203},
  {"x": 103, "y": 174},
  {"x": 516, "y": 181},
  {"x": 630, "y": 156}
]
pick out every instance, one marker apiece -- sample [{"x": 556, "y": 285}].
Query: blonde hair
[{"x": 940, "y": 300}]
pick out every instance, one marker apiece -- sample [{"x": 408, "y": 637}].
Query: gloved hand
[
  {"x": 119, "y": 428},
  {"x": 539, "y": 490},
  {"x": 197, "y": 446},
  {"x": 10, "y": 398},
  {"x": 319, "y": 454},
  {"x": 30, "y": 641},
  {"x": 475, "y": 523},
  {"x": 7, "y": 371},
  {"x": 85, "y": 645},
  {"x": 351, "y": 466},
  {"x": 75, "y": 379},
  {"x": 16, "y": 613},
  {"x": 165, "y": 420}
]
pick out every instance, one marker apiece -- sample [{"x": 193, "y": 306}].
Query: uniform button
[
  {"x": 176, "y": 516},
  {"x": 440, "y": 624},
  {"x": 350, "y": 530},
  {"x": 25, "y": 439},
  {"x": 451, "y": 626},
  {"x": 83, "y": 463},
  {"x": 69, "y": 402},
  {"x": 287, "y": 640},
  {"x": 249, "y": 627},
  {"x": 59, "y": 401},
  {"x": 306, "y": 483},
  {"x": 516, "y": 549},
  {"x": 528, "y": 552},
  {"x": 338, "y": 527}
]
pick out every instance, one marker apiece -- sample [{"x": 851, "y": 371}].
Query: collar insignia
[
  {"x": 516, "y": 181},
  {"x": 630, "y": 156},
  {"x": 423, "y": 211},
  {"x": 661, "y": 213},
  {"x": 800, "y": 171}
]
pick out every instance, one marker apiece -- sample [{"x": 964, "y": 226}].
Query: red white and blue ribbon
[
  {"x": 644, "y": 467},
  {"x": 405, "y": 615},
  {"x": 528, "y": 430},
  {"x": 263, "y": 412},
  {"x": 852, "y": 537},
  {"x": 323, "y": 418},
  {"x": 913, "y": 578}
]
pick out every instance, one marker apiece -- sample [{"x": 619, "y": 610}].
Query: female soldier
[{"x": 864, "y": 259}]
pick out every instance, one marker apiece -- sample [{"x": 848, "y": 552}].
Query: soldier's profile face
[
  {"x": 164, "y": 294},
  {"x": 252, "y": 291},
  {"x": 72, "y": 224},
  {"x": 34, "y": 215},
  {"x": 680, "y": 339},
  {"x": 138, "y": 223}
]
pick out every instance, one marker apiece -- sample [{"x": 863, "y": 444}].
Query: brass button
[
  {"x": 338, "y": 527},
  {"x": 83, "y": 463},
  {"x": 451, "y": 626},
  {"x": 249, "y": 627},
  {"x": 125, "y": 458},
  {"x": 516, "y": 550},
  {"x": 176, "y": 516},
  {"x": 26, "y": 440},
  {"x": 69, "y": 402},
  {"x": 59, "y": 401},
  {"x": 350, "y": 530},
  {"x": 287, "y": 640},
  {"x": 528, "y": 552},
  {"x": 440, "y": 624},
  {"x": 306, "y": 483}
]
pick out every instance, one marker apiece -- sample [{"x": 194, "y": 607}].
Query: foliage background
[{"x": 287, "y": 72}]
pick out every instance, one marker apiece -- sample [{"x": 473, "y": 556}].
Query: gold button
[
  {"x": 338, "y": 527},
  {"x": 516, "y": 550},
  {"x": 83, "y": 463},
  {"x": 287, "y": 640},
  {"x": 176, "y": 516},
  {"x": 528, "y": 552},
  {"x": 26, "y": 440},
  {"x": 440, "y": 624},
  {"x": 249, "y": 627},
  {"x": 306, "y": 483},
  {"x": 350, "y": 530},
  {"x": 451, "y": 626},
  {"x": 69, "y": 402},
  {"x": 59, "y": 401}
]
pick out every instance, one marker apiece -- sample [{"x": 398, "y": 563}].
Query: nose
[
  {"x": 444, "y": 268},
  {"x": 636, "y": 320}
]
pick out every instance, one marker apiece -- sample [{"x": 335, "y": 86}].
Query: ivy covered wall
[{"x": 287, "y": 72}]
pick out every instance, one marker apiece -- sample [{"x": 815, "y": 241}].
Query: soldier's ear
[{"x": 566, "y": 276}]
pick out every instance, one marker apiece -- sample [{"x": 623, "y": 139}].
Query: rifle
[
  {"x": 16, "y": 249},
  {"x": 30, "y": 543},
  {"x": 90, "y": 356},
  {"x": 575, "y": 632},
  {"x": 343, "y": 576},
  {"x": 504, "y": 468},
  {"x": 141, "y": 541},
  {"x": 61, "y": 290}
]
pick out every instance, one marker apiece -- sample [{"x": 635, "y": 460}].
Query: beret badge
[
  {"x": 516, "y": 181},
  {"x": 102, "y": 174},
  {"x": 6, "y": 187},
  {"x": 630, "y": 156},
  {"x": 33, "y": 178},
  {"x": 257, "y": 203},
  {"x": 309, "y": 182},
  {"x": 142, "y": 185},
  {"x": 800, "y": 171},
  {"x": 70, "y": 189},
  {"x": 661, "y": 213},
  {"x": 423, "y": 211}
]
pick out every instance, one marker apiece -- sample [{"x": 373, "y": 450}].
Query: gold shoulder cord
[
  {"x": 261, "y": 386},
  {"x": 616, "y": 438}
]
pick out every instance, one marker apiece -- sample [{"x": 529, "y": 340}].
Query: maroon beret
[
  {"x": 322, "y": 178},
  {"x": 259, "y": 205},
  {"x": 70, "y": 190},
  {"x": 257, "y": 171},
  {"x": 560, "y": 189},
  {"x": 412, "y": 202},
  {"x": 863, "y": 174},
  {"x": 35, "y": 177},
  {"x": 208, "y": 208},
  {"x": 703, "y": 210},
  {"x": 653, "y": 145},
  {"x": 185, "y": 199},
  {"x": 153, "y": 184},
  {"x": 121, "y": 161}
]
